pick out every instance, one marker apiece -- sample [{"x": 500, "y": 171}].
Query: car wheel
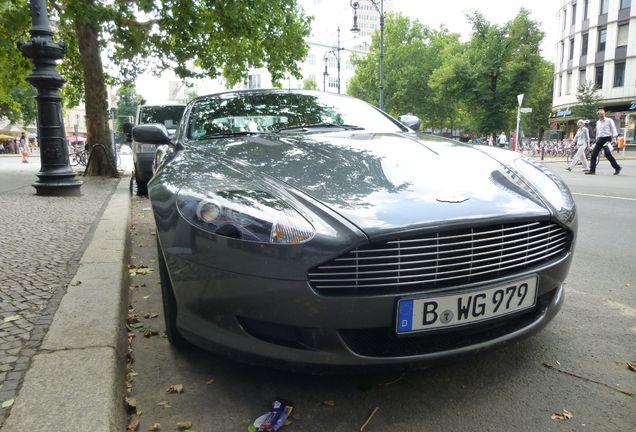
[
  {"x": 169, "y": 304},
  {"x": 142, "y": 186}
]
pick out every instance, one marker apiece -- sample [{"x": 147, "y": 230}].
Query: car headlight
[
  {"x": 549, "y": 186},
  {"x": 251, "y": 215}
]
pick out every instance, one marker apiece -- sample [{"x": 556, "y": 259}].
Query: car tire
[
  {"x": 142, "y": 187},
  {"x": 169, "y": 304}
]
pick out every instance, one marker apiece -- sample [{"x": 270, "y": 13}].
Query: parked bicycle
[{"x": 81, "y": 156}]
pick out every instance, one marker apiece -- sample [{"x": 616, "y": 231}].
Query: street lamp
[
  {"x": 379, "y": 6},
  {"x": 336, "y": 52},
  {"x": 56, "y": 176}
]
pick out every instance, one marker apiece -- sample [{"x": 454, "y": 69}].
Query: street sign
[{"x": 526, "y": 110}]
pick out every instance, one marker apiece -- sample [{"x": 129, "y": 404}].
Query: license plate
[{"x": 428, "y": 313}]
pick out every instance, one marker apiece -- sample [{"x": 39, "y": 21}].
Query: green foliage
[
  {"x": 127, "y": 102},
  {"x": 411, "y": 54},
  {"x": 588, "y": 100},
  {"x": 539, "y": 98},
  {"x": 17, "y": 101},
  {"x": 310, "y": 84}
]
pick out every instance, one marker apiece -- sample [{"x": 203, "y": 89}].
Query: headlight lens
[
  {"x": 250, "y": 215},
  {"x": 549, "y": 185}
]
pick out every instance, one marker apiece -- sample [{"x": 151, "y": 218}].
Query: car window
[
  {"x": 167, "y": 115},
  {"x": 275, "y": 112}
]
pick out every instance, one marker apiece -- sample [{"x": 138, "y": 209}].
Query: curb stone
[{"x": 75, "y": 382}]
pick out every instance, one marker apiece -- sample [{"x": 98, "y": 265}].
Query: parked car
[
  {"x": 313, "y": 228},
  {"x": 167, "y": 114}
]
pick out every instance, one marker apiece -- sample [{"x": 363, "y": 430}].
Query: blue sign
[
  {"x": 565, "y": 113},
  {"x": 632, "y": 107}
]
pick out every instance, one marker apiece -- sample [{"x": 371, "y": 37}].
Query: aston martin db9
[{"x": 313, "y": 228}]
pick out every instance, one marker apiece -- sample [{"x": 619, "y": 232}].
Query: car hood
[{"x": 383, "y": 182}]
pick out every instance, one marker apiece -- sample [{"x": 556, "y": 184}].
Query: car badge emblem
[{"x": 453, "y": 199}]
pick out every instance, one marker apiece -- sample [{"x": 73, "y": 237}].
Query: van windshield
[{"x": 167, "y": 115}]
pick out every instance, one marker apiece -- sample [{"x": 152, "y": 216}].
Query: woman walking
[{"x": 581, "y": 141}]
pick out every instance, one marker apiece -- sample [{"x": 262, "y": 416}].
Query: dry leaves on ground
[
  {"x": 184, "y": 425},
  {"x": 12, "y": 318},
  {"x": 564, "y": 415},
  {"x": 329, "y": 403},
  {"x": 134, "y": 270},
  {"x": 133, "y": 425},
  {"x": 155, "y": 427},
  {"x": 632, "y": 366},
  {"x": 175, "y": 388},
  {"x": 164, "y": 404}
]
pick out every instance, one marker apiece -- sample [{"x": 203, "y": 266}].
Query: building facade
[{"x": 597, "y": 43}]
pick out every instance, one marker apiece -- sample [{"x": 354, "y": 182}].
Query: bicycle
[{"x": 81, "y": 157}]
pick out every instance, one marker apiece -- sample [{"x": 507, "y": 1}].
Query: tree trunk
[{"x": 102, "y": 161}]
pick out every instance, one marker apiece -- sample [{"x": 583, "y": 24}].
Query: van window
[{"x": 168, "y": 115}]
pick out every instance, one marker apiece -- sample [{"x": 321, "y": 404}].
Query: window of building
[
  {"x": 585, "y": 39},
  {"x": 586, "y": 8},
  {"x": 574, "y": 14},
  {"x": 623, "y": 31},
  {"x": 582, "y": 77},
  {"x": 568, "y": 84},
  {"x": 602, "y": 38},
  {"x": 559, "y": 82},
  {"x": 312, "y": 59},
  {"x": 565, "y": 17},
  {"x": 332, "y": 62},
  {"x": 571, "y": 53},
  {"x": 332, "y": 82},
  {"x": 604, "y": 6},
  {"x": 626, "y": 4},
  {"x": 619, "y": 74},
  {"x": 562, "y": 49},
  {"x": 254, "y": 81},
  {"x": 598, "y": 77}
]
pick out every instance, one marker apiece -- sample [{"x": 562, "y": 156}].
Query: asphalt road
[{"x": 585, "y": 348}]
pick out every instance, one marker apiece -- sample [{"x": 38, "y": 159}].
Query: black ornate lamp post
[
  {"x": 379, "y": 6},
  {"x": 56, "y": 176}
]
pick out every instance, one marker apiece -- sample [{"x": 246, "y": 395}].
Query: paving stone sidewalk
[{"x": 41, "y": 242}]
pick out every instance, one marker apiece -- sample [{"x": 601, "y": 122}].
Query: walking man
[{"x": 605, "y": 133}]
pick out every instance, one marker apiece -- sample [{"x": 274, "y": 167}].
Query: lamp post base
[{"x": 57, "y": 186}]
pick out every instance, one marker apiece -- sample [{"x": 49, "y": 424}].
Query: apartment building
[{"x": 597, "y": 42}]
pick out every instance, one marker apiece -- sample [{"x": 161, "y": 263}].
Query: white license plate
[{"x": 428, "y": 313}]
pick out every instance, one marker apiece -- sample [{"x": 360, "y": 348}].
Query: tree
[
  {"x": 412, "y": 52},
  {"x": 127, "y": 102},
  {"x": 310, "y": 84},
  {"x": 497, "y": 64},
  {"x": 193, "y": 38},
  {"x": 539, "y": 98},
  {"x": 16, "y": 94},
  {"x": 588, "y": 100}
]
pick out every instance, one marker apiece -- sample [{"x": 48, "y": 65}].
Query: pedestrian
[
  {"x": 605, "y": 133},
  {"x": 580, "y": 142},
  {"x": 502, "y": 140},
  {"x": 490, "y": 139},
  {"x": 24, "y": 150}
]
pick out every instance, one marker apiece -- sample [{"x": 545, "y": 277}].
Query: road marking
[{"x": 604, "y": 196}]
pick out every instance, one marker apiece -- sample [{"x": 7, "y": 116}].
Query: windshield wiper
[
  {"x": 308, "y": 127},
  {"x": 225, "y": 134}
]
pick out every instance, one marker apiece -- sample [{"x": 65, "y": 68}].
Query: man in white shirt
[
  {"x": 502, "y": 140},
  {"x": 605, "y": 133}
]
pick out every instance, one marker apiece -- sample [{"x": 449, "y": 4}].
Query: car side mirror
[
  {"x": 151, "y": 134},
  {"x": 127, "y": 128},
  {"x": 410, "y": 121}
]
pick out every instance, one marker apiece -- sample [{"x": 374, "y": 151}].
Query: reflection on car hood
[{"x": 383, "y": 181}]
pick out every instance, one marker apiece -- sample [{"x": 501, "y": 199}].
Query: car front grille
[{"x": 442, "y": 259}]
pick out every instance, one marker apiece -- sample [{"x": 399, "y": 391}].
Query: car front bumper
[{"x": 286, "y": 320}]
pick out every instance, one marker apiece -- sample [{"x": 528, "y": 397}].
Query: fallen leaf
[
  {"x": 146, "y": 297},
  {"x": 329, "y": 403},
  {"x": 150, "y": 333},
  {"x": 632, "y": 366},
  {"x": 184, "y": 425},
  {"x": 12, "y": 318},
  {"x": 133, "y": 425},
  {"x": 210, "y": 381},
  {"x": 132, "y": 287},
  {"x": 131, "y": 405},
  {"x": 76, "y": 283},
  {"x": 164, "y": 404},
  {"x": 565, "y": 415},
  {"x": 8, "y": 403},
  {"x": 151, "y": 315},
  {"x": 175, "y": 388},
  {"x": 155, "y": 427}
]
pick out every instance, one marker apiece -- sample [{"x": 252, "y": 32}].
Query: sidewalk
[{"x": 74, "y": 378}]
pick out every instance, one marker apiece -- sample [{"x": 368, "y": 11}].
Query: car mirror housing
[
  {"x": 151, "y": 134},
  {"x": 410, "y": 121}
]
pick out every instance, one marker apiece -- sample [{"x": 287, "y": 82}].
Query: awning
[{"x": 74, "y": 138}]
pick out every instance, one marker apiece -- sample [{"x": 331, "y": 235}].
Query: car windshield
[
  {"x": 167, "y": 115},
  {"x": 242, "y": 113}
]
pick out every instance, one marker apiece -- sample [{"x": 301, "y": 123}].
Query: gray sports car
[{"x": 312, "y": 228}]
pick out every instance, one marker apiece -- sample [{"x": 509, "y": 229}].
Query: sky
[{"x": 430, "y": 13}]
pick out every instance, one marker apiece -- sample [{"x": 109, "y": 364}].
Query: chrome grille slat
[
  {"x": 440, "y": 259},
  {"x": 436, "y": 255},
  {"x": 435, "y": 245},
  {"x": 404, "y": 269}
]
